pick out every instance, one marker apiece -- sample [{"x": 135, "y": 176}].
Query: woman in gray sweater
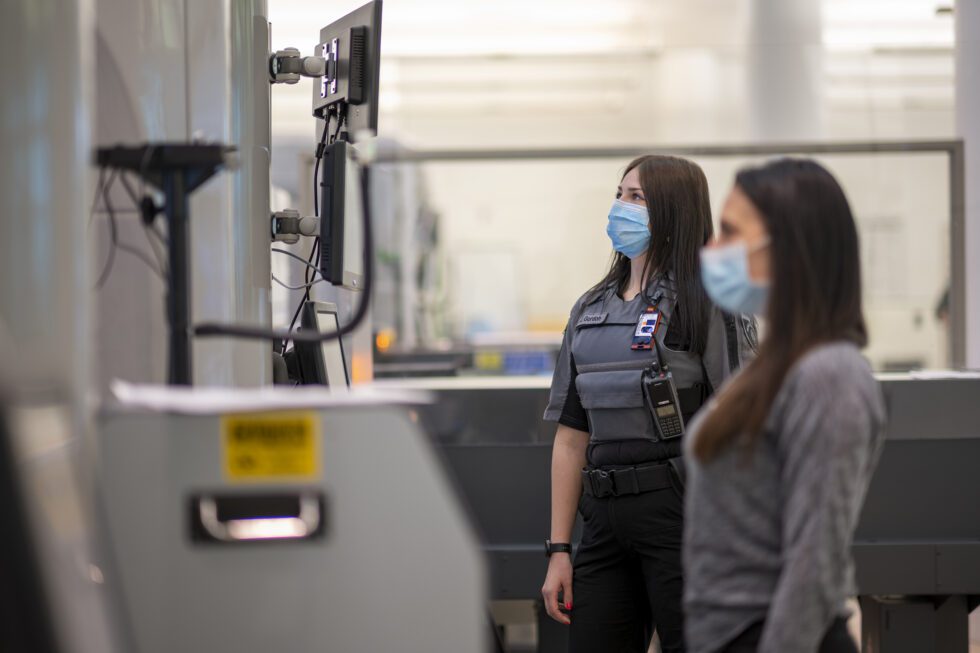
[{"x": 780, "y": 461}]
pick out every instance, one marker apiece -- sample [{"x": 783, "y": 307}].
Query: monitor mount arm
[
  {"x": 287, "y": 66},
  {"x": 289, "y": 225}
]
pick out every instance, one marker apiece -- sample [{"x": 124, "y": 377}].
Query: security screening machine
[
  {"x": 316, "y": 522},
  {"x": 917, "y": 544}
]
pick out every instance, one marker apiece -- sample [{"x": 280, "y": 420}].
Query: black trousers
[
  {"x": 627, "y": 574},
  {"x": 836, "y": 640}
]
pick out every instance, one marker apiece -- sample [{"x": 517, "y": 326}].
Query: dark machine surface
[{"x": 917, "y": 545}]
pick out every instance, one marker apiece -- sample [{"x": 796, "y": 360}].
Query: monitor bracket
[
  {"x": 289, "y": 225},
  {"x": 287, "y": 66}
]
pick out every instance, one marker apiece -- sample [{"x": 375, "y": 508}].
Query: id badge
[{"x": 646, "y": 328}]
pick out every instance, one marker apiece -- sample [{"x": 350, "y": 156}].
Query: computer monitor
[
  {"x": 352, "y": 47},
  {"x": 341, "y": 218},
  {"x": 347, "y": 94},
  {"x": 322, "y": 363}
]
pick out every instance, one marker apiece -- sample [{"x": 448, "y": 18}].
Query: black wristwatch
[{"x": 556, "y": 547}]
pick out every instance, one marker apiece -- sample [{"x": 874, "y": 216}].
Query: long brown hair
[
  {"x": 815, "y": 290},
  {"x": 676, "y": 193}
]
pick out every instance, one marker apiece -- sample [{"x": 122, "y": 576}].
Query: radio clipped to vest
[{"x": 660, "y": 397}]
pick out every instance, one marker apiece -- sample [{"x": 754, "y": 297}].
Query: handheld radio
[{"x": 660, "y": 396}]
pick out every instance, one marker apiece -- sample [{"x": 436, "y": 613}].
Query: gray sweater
[{"x": 768, "y": 532}]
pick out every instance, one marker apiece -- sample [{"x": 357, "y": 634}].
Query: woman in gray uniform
[
  {"x": 782, "y": 459},
  {"x": 643, "y": 350}
]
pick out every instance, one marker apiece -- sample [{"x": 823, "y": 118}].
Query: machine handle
[{"x": 259, "y": 525}]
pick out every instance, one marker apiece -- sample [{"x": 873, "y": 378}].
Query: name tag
[{"x": 592, "y": 319}]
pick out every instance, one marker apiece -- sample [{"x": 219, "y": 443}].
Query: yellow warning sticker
[{"x": 271, "y": 446}]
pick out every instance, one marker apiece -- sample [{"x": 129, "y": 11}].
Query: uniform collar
[
  {"x": 660, "y": 288},
  {"x": 659, "y": 284}
]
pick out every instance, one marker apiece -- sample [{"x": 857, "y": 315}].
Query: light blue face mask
[
  {"x": 629, "y": 228},
  {"x": 725, "y": 273}
]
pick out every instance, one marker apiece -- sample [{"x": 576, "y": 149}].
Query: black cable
[
  {"x": 118, "y": 212},
  {"x": 124, "y": 246},
  {"x": 146, "y": 219},
  {"x": 144, "y": 206},
  {"x": 95, "y": 197},
  {"x": 111, "y": 256},
  {"x": 161, "y": 257},
  {"x": 129, "y": 190},
  {"x": 341, "y": 118},
  {"x": 114, "y": 240},
  {"x": 315, "y": 250},
  {"x": 306, "y": 293},
  {"x": 299, "y": 287},
  {"x": 147, "y": 207},
  {"x": 235, "y": 331},
  {"x": 286, "y": 252}
]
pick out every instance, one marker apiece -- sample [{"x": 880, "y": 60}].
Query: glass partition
[{"x": 482, "y": 261}]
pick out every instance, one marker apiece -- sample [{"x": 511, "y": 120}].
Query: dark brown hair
[
  {"x": 676, "y": 193},
  {"x": 814, "y": 297}
]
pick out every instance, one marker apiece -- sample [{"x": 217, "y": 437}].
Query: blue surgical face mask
[
  {"x": 629, "y": 228},
  {"x": 725, "y": 273}
]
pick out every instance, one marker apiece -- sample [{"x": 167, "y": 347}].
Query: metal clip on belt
[{"x": 632, "y": 480}]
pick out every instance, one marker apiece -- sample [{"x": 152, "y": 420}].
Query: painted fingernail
[{"x": 568, "y": 606}]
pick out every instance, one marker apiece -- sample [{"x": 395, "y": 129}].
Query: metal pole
[
  {"x": 179, "y": 295},
  {"x": 967, "y": 97},
  {"x": 957, "y": 257},
  {"x": 392, "y": 155},
  {"x": 784, "y": 69},
  {"x": 45, "y": 191}
]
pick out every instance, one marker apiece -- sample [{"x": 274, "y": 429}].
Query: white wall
[{"x": 170, "y": 70}]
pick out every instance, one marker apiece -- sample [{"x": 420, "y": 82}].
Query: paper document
[
  {"x": 211, "y": 400},
  {"x": 945, "y": 374}
]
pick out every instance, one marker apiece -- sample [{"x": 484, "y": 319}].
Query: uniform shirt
[
  {"x": 599, "y": 335},
  {"x": 768, "y": 531}
]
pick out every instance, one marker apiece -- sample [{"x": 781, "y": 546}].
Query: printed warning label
[{"x": 271, "y": 446}]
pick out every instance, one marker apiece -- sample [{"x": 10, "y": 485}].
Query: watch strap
[{"x": 556, "y": 547}]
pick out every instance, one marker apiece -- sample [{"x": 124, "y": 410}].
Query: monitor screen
[
  {"x": 331, "y": 350},
  {"x": 322, "y": 363}
]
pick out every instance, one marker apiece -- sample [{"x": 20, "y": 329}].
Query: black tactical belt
[{"x": 632, "y": 480}]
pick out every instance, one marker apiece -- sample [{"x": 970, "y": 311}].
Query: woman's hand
[
  {"x": 558, "y": 581},
  {"x": 567, "y": 461}
]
